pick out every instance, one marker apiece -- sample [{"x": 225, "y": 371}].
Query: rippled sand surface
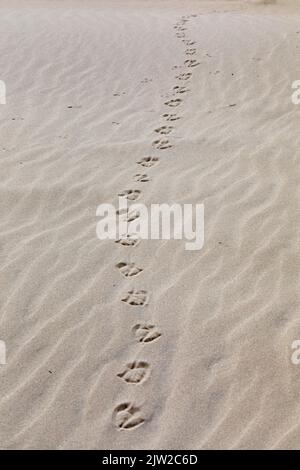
[{"x": 150, "y": 346}]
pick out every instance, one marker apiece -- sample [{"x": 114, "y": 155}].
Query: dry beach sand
[{"x": 204, "y": 360}]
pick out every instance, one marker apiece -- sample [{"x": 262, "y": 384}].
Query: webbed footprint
[
  {"x": 135, "y": 372},
  {"x": 148, "y": 161},
  {"x": 164, "y": 130},
  {"x": 129, "y": 215},
  {"x": 146, "y": 333},
  {"x": 173, "y": 103},
  {"x": 189, "y": 42},
  {"x": 171, "y": 117},
  {"x": 130, "y": 194},
  {"x": 136, "y": 298},
  {"x": 184, "y": 76},
  {"x": 128, "y": 240},
  {"x": 191, "y": 63},
  {"x": 190, "y": 51},
  {"x": 127, "y": 416},
  {"x": 129, "y": 269},
  {"x": 141, "y": 178},
  {"x": 162, "y": 144},
  {"x": 180, "y": 89}
]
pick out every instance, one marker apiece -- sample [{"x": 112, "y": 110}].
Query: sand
[{"x": 206, "y": 362}]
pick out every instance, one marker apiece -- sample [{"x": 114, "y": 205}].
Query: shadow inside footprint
[
  {"x": 191, "y": 63},
  {"x": 148, "y": 161},
  {"x": 129, "y": 269},
  {"x": 146, "y": 333},
  {"x": 127, "y": 416},
  {"x": 180, "y": 89},
  {"x": 190, "y": 51},
  {"x": 189, "y": 42},
  {"x": 184, "y": 76},
  {"x": 128, "y": 240},
  {"x": 130, "y": 194},
  {"x": 162, "y": 144},
  {"x": 141, "y": 178},
  {"x": 171, "y": 117},
  {"x": 136, "y": 298},
  {"x": 173, "y": 103},
  {"x": 135, "y": 372},
  {"x": 164, "y": 130}
]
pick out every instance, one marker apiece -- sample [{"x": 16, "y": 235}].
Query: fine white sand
[{"x": 87, "y": 83}]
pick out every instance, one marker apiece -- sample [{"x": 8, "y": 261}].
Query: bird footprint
[
  {"x": 171, "y": 117},
  {"x": 135, "y": 372},
  {"x": 173, "y": 103},
  {"x": 141, "y": 178},
  {"x": 165, "y": 130},
  {"x": 180, "y": 89},
  {"x": 146, "y": 333},
  {"x": 136, "y": 298},
  {"x": 148, "y": 161},
  {"x": 129, "y": 215},
  {"x": 162, "y": 144},
  {"x": 127, "y": 416},
  {"x": 190, "y": 51},
  {"x": 128, "y": 240},
  {"x": 130, "y": 194},
  {"x": 184, "y": 76},
  {"x": 191, "y": 63},
  {"x": 188, "y": 42},
  {"x": 129, "y": 269}
]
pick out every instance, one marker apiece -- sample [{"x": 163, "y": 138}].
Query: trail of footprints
[
  {"x": 136, "y": 298},
  {"x": 127, "y": 415}
]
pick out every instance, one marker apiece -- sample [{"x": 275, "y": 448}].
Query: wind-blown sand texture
[{"x": 150, "y": 346}]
